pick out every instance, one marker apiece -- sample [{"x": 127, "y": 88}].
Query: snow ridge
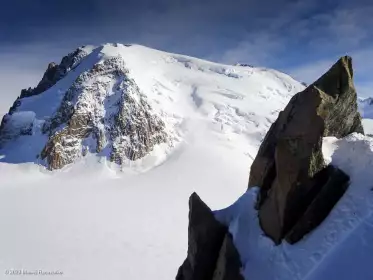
[
  {"x": 92, "y": 215},
  {"x": 107, "y": 94},
  {"x": 107, "y": 106}
]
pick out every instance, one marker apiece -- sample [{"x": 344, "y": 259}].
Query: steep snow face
[
  {"x": 340, "y": 248},
  {"x": 56, "y": 72},
  {"x": 92, "y": 221},
  {"x": 135, "y": 105},
  {"x": 107, "y": 106}
]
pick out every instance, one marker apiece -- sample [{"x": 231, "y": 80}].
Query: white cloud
[
  {"x": 257, "y": 49},
  {"x": 310, "y": 72},
  {"x": 271, "y": 40},
  {"x": 365, "y": 89},
  {"x": 362, "y": 65},
  {"x": 363, "y": 62},
  {"x": 306, "y": 47}
]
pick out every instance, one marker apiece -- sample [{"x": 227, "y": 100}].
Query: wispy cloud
[
  {"x": 362, "y": 64},
  {"x": 260, "y": 48},
  {"x": 310, "y": 72},
  {"x": 306, "y": 45},
  {"x": 302, "y": 38}
]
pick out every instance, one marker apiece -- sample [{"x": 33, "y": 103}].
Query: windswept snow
[
  {"x": 182, "y": 91},
  {"x": 94, "y": 222},
  {"x": 91, "y": 220},
  {"x": 319, "y": 255}
]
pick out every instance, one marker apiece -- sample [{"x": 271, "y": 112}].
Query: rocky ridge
[
  {"x": 56, "y": 72},
  {"x": 167, "y": 93},
  {"x": 129, "y": 126},
  {"x": 289, "y": 167},
  {"x": 297, "y": 189},
  {"x": 211, "y": 252},
  {"x": 102, "y": 112}
]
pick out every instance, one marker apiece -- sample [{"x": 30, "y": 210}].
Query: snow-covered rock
[
  {"x": 103, "y": 108},
  {"x": 56, "y": 72},
  {"x": 340, "y": 248},
  {"x": 129, "y": 103},
  {"x": 92, "y": 221},
  {"x": 289, "y": 167}
]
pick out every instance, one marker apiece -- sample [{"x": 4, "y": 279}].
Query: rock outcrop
[
  {"x": 129, "y": 132},
  {"x": 289, "y": 167},
  {"x": 15, "y": 125},
  {"x": 52, "y": 75},
  {"x": 228, "y": 264},
  {"x": 321, "y": 205},
  {"x": 56, "y": 72},
  {"x": 103, "y": 111},
  {"x": 211, "y": 252}
]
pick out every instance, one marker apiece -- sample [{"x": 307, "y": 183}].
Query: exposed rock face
[
  {"x": 228, "y": 264},
  {"x": 205, "y": 237},
  {"x": 244, "y": 65},
  {"x": 124, "y": 122},
  {"x": 289, "y": 165},
  {"x": 103, "y": 111},
  {"x": 211, "y": 252},
  {"x": 15, "y": 125},
  {"x": 52, "y": 75},
  {"x": 322, "y": 204},
  {"x": 55, "y": 72}
]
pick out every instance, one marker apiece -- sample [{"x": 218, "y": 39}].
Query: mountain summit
[
  {"x": 131, "y": 103},
  {"x": 200, "y": 127}
]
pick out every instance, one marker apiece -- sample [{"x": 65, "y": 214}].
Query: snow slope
[
  {"x": 181, "y": 90},
  {"x": 322, "y": 254},
  {"x": 92, "y": 220}
]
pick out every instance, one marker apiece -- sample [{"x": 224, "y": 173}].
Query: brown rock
[
  {"x": 54, "y": 73},
  {"x": 62, "y": 147},
  {"x": 229, "y": 263},
  {"x": 211, "y": 252},
  {"x": 290, "y": 155},
  {"x": 321, "y": 206},
  {"x": 129, "y": 134},
  {"x": 205, "y": 238}
]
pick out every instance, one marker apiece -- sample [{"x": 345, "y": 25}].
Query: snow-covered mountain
[
  {"x": 366, "y": 107},
  {"x": 131, "y": 103},
  {"x": 192, "y": 125},
  {"x": 366, "y": 111}
]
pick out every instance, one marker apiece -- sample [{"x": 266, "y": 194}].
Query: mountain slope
[
  {"x": 323, "y": 253},
  {"x": 129, "y": 103},
  {"x": 92, "y": 221},
  {"x": 366, "y": 111}
]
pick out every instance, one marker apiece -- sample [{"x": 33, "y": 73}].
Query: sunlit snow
[{"x": 95, "y": 220}]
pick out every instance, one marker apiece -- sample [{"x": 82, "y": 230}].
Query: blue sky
[{"x": 302, "y": 38}]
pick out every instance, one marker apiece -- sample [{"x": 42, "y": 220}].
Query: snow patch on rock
[{"x": 264, "y": 260}]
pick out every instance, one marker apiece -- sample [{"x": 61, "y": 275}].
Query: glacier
[{"x": 95, "y": 219}]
